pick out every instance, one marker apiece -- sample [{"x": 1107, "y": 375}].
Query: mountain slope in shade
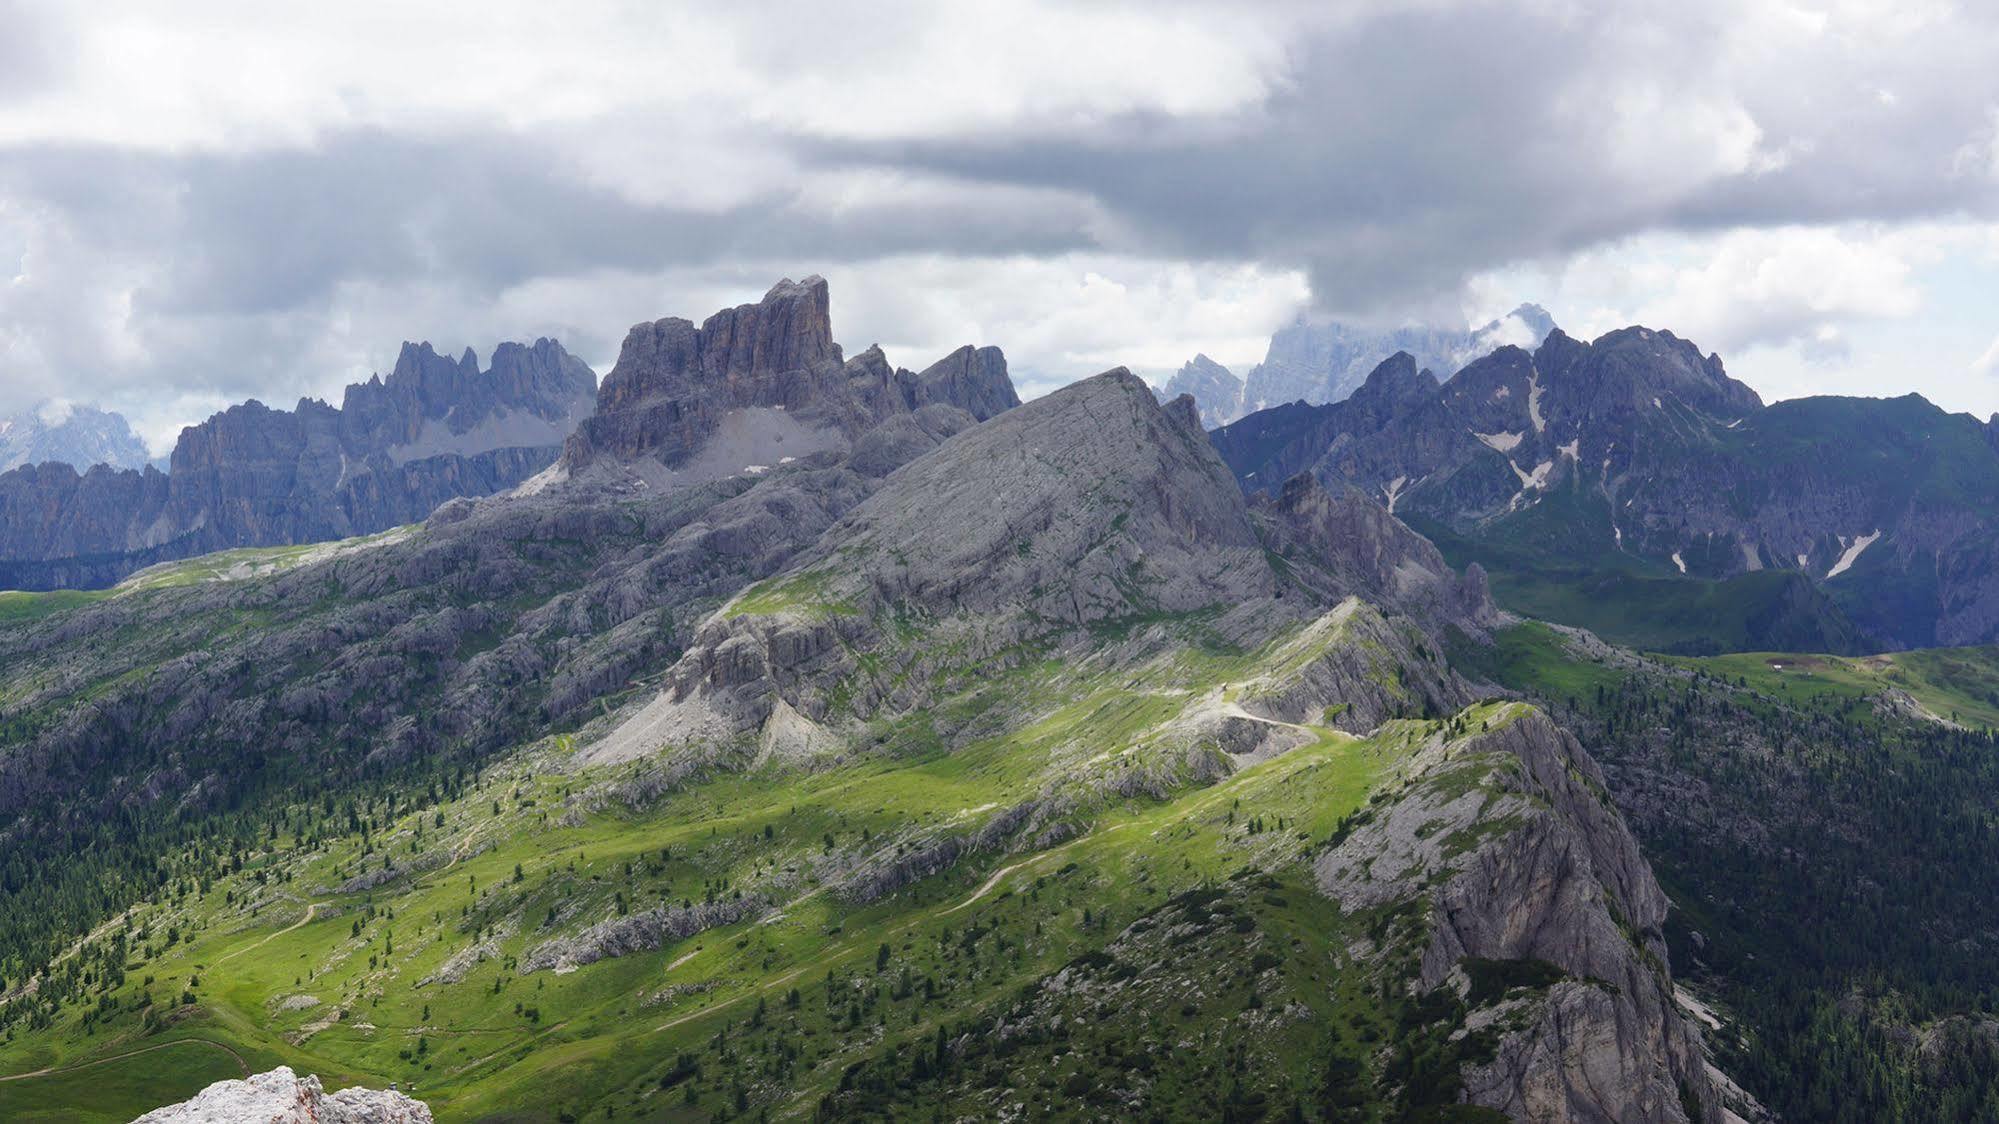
[
  {"x": 75, "y": 435},
  {"x": 433, "y": 430},
  {"x": 1635, "y": 459}
]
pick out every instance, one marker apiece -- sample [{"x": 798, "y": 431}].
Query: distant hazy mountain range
[
  {"x": 76, "y": 435},
  {"x": 1317, "y": 363},
  {"x": 434, "y": 429}
]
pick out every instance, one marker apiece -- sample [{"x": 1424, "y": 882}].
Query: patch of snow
[
  {"x": 1535, "y": 479},
  {"x": 1733, "y": 424},
  {"x": 1534, "y": 404},
  {"x": 1804, "y": 562},
  {"x": 1751, "y": 560},
  {"x": 1658, "y": 405},
  {"x": 1679, "y": 561},
  {"x": 756, "y": 469},
  {"x": 1394, "y": 491},
  {"x": 1573, "y": 450},
  {"x": 786, "y": 460},
  {"x": 1502, "y": 394},
  {"x": 1852, "y": 553},
  {"x": 1500, "y": 442}
]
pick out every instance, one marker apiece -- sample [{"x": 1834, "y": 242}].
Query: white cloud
[{"x": 216, "y": 199}]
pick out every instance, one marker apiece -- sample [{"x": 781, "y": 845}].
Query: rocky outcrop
[
  {"x": 435, "y": 429},
  {"x": 974, "y": 379},
  {"x": 283, "y": 1097},
  {"x": 764, "y": 384},
  {"x": 1526, "y": 874},
  {"x": 639, "y": 932}
]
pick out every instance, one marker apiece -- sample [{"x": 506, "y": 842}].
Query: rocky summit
[{"x": 761, "y": 385}]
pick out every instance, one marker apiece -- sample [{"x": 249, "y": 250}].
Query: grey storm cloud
[
  {"x": 1395, "y": 152},
  {"x": 265, "y": 231},
  {"x": 1411, "y": 152}
]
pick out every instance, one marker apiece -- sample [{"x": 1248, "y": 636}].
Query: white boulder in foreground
[{"x": 283, "y": 1097}]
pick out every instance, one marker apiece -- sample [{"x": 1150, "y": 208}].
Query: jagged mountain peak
[
  {"x": 1397, "y": 379},
  {"x": 1643, "y": 364},
  {"x": 1216, "y": 390},
  {"x": 972, "y": 378},
  {"x": 760, "y": 384}
]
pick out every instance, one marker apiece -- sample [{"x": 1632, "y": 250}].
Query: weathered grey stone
[{"x": 282, "y": 1097}]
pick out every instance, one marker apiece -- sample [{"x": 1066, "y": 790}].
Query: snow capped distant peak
[{"x": 74, "y": 433}]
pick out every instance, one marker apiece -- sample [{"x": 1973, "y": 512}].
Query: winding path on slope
[
  {"x": 53, "y": 1070},
  {"x": 310, "y": 909}
]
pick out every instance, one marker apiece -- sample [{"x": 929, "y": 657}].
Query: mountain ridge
[
  {"x": 433, "y": 430},
  {"x": 1635, "y": 457}
]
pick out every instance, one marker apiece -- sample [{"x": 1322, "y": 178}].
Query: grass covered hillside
[{"x": 1045, "y": 776}]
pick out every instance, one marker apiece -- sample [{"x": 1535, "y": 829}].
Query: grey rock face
[
  {"x": 1096, "y": 482},
  {"x": 763, "y": 383},
  {"x": 1533, "y": 863},
  {"x": 639, "y": 932},
  {"x": 433, "y": 430},
  {"x": 674, "y": 382},
  {"x": 79, "y": 436},
  {"x": 1364, "y": 550},
  {"x": 283, "y": 1097},
  {"x": 972, "y": 379}
]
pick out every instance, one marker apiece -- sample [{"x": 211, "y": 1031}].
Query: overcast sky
[{"x": 202, "y": 202}]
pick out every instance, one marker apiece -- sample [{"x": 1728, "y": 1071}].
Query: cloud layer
[{"x": 225, "y": 200}]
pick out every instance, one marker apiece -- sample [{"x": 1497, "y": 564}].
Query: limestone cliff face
[
  {"x": 283, "y": 1097},
  {"x": 761, "y": 384},
  {"x": 435, "y": 429},
  {"x": 1508, "y": 843}
]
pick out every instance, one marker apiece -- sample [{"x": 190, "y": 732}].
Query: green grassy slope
[{"x": 286, "y": 954}]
